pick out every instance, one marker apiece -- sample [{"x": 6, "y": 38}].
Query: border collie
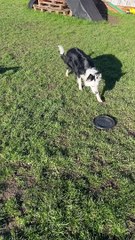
[{"x": 83, "y": 67}]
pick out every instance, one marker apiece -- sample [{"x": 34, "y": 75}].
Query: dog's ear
[
  {"x": 90, "y": 77},
  {"x": 98, "y": 75}
]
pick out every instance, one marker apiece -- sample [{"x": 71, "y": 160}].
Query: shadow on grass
[
  {"x": 5, "y": 69},
  {"x": 111, "y": 69}
]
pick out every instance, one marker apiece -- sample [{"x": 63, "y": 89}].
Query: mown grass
[{"x": 60, "y": 177}]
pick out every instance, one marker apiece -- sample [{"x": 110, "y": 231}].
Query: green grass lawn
[{"x": 60, "y": 178}]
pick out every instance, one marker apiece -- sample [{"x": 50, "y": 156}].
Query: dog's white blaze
[{"x": 91, "y": 71}]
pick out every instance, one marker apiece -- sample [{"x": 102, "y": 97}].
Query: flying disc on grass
[{"x": 104, "y": 122}]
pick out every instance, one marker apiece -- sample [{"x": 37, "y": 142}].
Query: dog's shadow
[{"x": 111, "y": 69}]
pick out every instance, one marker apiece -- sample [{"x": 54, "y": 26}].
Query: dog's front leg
[
  {"x": 98, "y": 97},
  {"x": 79, "y": 81},
  {"x": 96, "y": 92}
]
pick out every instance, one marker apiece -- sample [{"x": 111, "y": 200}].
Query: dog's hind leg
[
  {"x": 79, "y": 81},
  {"x": 67, "y": 72}
]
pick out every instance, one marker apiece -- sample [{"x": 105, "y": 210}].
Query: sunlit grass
[{"x": 60, "y": 177}]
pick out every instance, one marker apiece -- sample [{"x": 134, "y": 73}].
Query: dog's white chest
[{"x": 89, "y": 83}]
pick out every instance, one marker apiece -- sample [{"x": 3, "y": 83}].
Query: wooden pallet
[
  {"x": 52, "y": 4},
  {"x": 53, "y": 1},
  {"x": 42, "y": 8}
]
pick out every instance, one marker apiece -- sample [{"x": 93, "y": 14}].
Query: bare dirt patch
[
  {"x": 113, "y": 20},
  {"x": 15, "y": 188}
]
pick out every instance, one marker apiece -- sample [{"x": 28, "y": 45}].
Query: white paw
[{"x": 67, "y": 73}]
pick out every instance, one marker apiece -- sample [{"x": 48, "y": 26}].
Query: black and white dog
[{"x": 83, "y": 67}]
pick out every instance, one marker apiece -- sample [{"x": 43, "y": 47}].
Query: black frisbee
[{"x": 104, "y": 122}]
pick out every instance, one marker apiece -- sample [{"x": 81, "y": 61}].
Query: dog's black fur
[{"x": 78, "y": 62}]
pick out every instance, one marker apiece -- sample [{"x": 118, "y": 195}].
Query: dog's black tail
[{"x": 62, "y": 53}]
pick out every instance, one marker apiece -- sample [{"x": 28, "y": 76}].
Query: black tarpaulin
[
  {"x": 31, "y": 2},
  {"x": 85, "y": 9}
]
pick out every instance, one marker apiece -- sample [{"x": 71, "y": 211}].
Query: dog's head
[{"x": 93, "y": 75}]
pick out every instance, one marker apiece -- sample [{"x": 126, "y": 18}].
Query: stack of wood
[{"x": 57, "y": 6}]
